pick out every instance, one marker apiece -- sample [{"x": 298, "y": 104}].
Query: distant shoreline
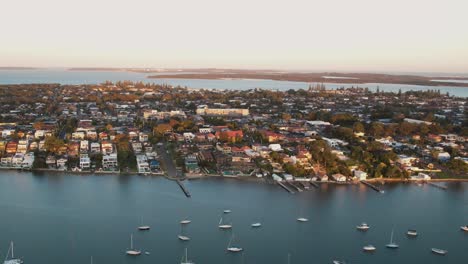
[{"x": 325, "y": 77}]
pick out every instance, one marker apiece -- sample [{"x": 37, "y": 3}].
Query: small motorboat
[
  {"x": 412, "y": 233},
  {"x": 302, "y": 219},
  {"x": 464, "y": 228},
  {"x": 369, "y": 248},
  {"x": 338, "y": 262},
  {"x": 183, "y": 238},
  {"x": 234, "y": 249},
  {"x": 227, "y": 211},
  {"x": 439, "y": 251},
  {"x": 256, "y": 225},
  {"x": 363, "y": 227},
  {"x": 185, "y": 222},
  {"x": 133, "y": 252},
  {"x": 144, "y": 228}
]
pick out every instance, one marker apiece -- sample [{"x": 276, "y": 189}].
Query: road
[{"x": 168, "y": 162}]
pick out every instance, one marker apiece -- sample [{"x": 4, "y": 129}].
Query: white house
[
  {"x": 339, "y": 177},
  {"x": 85, "y": 161},
  {"x": 361, "y": 175}
]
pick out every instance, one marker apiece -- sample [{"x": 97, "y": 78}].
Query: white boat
[
  {"x": 338, "y": 262},
  {"x": 227, "y": 211},
  {"x": 302, "y": 219},
  {"x": 392, "y": 244},
  {"x": 183, "y": 238},
  {"x": 439, "y": 251},
  {"x": 412, "y": 233},
  {"x": 464, "y": 228},
  {"x": 186, "y": 260},
  {"x": 369, "y": 248},
  {"x": 256, "y": 225},
  {"x": 363, "y": 227},
  {"x": 223, "y": 226},
  {"x": 231, "y": 248},
  {"x": 185, "y": 222},
  {"x": 132, "y": 251},
  {"x": 12, "y": 259}
]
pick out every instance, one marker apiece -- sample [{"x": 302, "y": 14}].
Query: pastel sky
[{"x": 357, "y": 35}]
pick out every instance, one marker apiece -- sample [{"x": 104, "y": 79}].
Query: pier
[
  {"x": 285, "y": 187},
  {"x": 182, "y": 186},
  {"x": 368, "y": 184},
  {"x": 442, "y": 187},
  {"x": 294, "y": 186},
  {"x": 314, "y": 184},
  {"x": 305, "y": 185}
]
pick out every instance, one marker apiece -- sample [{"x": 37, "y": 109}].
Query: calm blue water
[
  {"x": 59, "y": 218},
  {"x": 90, "y": 77}
]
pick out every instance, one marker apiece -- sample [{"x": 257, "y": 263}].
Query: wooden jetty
[
  {"x": 285, "y": 187},
  {"x": 182, "y": 186},
  {"x": 372, "y": 186},
  {"x": 443, "y": 187}
]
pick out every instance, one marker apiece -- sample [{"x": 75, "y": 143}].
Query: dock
[
  {"x": 182, "y": 186},
  {"x": 443, "y": 187},
  {"x": 305, "y": 185},
  {"x": 285, "y": 187},
  {"x": 375, "y": 188},
  {"x": 295, "y": 186},
  {"x": 314, "y": 184}
]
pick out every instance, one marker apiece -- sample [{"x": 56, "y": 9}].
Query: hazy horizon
[{"x": 318, "y": 35}]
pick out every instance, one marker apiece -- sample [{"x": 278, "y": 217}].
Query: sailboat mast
[
  {"x": 12, "y": 250},
  {"x": 391, "y": 237},
  {"x": 186, "y": 257},
  {"x": 131, "y": 241}
]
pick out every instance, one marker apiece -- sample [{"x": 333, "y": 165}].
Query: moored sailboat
[
  {"x": 224, "y": 226},
  {"x": 233, "y": 249},
  {"x": 12, "y": 259},
  {"x": 186, "y": 260},
  {"x": 132, "y": 251},
  {"x": 392, "y": 244}
]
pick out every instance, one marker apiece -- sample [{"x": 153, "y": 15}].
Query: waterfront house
[
  {"x": 85, "y": 162},
  {"x": 50, "y": 161},
  {"x": 142, "y": 164},
  {"x": 360, "y": 175},
  {"x": 110, "y": 162},
  {"x": 191, "y": 164},
  {"x": 62, "y": 163},
  {"x": 338, "y": 177}
]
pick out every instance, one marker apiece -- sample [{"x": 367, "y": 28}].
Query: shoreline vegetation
[{"x": 216, "y": 176}]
